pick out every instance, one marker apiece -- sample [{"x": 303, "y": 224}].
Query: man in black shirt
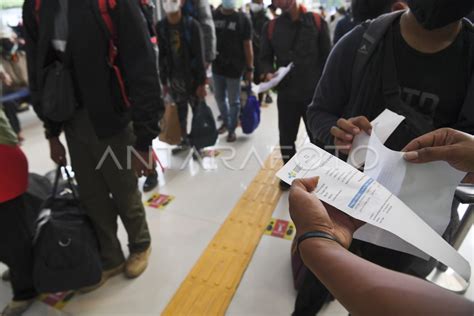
[
  {"x": 234, "y": 58},
  {"x": 302, "y": 38}
]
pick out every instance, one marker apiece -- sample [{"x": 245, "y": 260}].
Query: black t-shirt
[
  {"x": 434, "y": 84},
  {"x": 176, "y": 50},
  {"x": 231, "y": 31}
]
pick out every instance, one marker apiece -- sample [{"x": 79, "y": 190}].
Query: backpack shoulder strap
[
  {"x": 37, "y": 10},
  {"x": 317, "y": 20},
  {"x": 375, "y": 32},
  {"x": 104, "y": 6}
]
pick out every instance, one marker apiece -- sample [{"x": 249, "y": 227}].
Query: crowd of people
[{"x": 94, "y": 75}]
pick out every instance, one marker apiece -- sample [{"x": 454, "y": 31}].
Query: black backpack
[
  {"x": 203, "y": 129},
  {"x": 65, "y": 246}
]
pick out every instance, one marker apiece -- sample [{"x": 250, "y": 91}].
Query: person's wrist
[{"x": 316, "y": 245}]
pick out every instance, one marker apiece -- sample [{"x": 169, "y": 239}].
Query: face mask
[
  {"x": 434, "y": 14},
  {"x": 229, "y": 4},
  {"x": 171, "y": 6},
  {"x": 256, "y": 7},
  {"x": 284, "y": 5}
]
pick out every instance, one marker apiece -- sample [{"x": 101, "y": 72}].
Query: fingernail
[
  {"x": 356, "y": 130},
  {"x": 348, "y": 136},
  {"x": 411, "y": 155}
]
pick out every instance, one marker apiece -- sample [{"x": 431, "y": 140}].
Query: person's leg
[
  {"x": 123, "y": 185},
  {"x": 183, "y": 116},
  {"x": 288, "y": 123},
  {"x": 234, "y": 89},
  {"x": 12, "y": 115},
  {"x": 220, "y": 93},
  {"x": 95, "y": 196},
  {"x": 16, "y": 249}
]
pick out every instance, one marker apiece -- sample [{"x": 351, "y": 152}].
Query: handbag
[
  {"x": 169, "y": 125},
  {"x": 203, "y": 130},
  {"x": 58, "y": 99},
  {"x": 66, "y": 249},
  {"x": 250, "y": 117}
]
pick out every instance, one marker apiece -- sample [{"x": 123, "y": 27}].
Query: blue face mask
[{"x": 229, "y": 4}]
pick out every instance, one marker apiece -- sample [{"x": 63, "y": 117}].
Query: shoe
[
  {"x": 231, "y": 137},
  {"x": 6, "y": 276},
  {"x": 284, "y": 186},
  {"x": 17, "y": 308},
  {"x": 268, "y": 99},
  {"x": 222, "y": 129},
  {"x": 151, "y": 182},
  {"x": 183, "y": 146},
  {"x": 136, "y": 263},
  {"x": 106, "y": 275}
]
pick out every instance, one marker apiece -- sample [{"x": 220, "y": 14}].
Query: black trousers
[
  {"x": 16, "y": 248},
  {"x": 290, "y": 113}
]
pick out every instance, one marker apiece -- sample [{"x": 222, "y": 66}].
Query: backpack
[
  {"x": 250, "y": 117},
  {"x": 66, "y": 251},
  {"x": 272, "y": 23},
  {"x": 203, "y": 128},
  {"x": 147, "y": 8}
]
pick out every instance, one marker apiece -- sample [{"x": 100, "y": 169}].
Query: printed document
[
  {"x": 363, "y": 197},
  {"x": 280, "y": 74}
]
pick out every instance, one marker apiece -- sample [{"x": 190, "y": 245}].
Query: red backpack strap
[
  {"x": 271, "y": 28},
  {"x": 317, "y": 20},
  {"x": 37, "y": 10},
  {"x": 104, "y": 6}
]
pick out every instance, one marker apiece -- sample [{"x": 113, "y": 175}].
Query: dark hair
[{"x": 370, "y": 9}]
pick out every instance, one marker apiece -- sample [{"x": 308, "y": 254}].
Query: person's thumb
[{"x": 308, "y": 184}]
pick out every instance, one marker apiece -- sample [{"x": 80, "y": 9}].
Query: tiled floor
[{"x": 180, "y": 232}]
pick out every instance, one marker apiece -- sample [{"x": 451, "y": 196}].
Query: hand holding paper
[{"x": 280, "y": 74}]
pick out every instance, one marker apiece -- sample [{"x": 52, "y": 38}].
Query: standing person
[
  {"x": 182, "y": 68},
  {"x": 301, "y": 38},
  {"x": 109, "y": 134},
  {"x": 234, "y": 59},
  {"x": 16, "y": 249},
  {"x": 201, "y": 11},
  {"x": 259, "y": 17}
]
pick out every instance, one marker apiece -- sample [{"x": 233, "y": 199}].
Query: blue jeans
[{"x": 227, "y": 93}]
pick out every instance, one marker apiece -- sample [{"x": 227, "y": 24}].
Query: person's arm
[
  {"x": 248, "y": 48},
  {"x": 361, "y": 286},
  {"x": 208, "y": 30},
  {"x": 267, "y": 56},
  {"x": 324, "y": 43},
  {"x": 138, "y": 59},
  {"x": 162, "y": 56},
  {"x": 197, "y": 45},
  {"x": 31, "y": 27},
  {"x": 334, "y": 89},
  {"x": 364, "y": 288}
]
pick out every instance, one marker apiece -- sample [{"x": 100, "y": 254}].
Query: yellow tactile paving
[{"x": 209, "y": 287}]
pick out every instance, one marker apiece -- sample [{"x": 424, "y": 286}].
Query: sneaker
[
  {"x": 183, "y": 146},
  {"x": 231, "y": 137},
  {"x": 222, "y": 129},
  {"x": 268, "y": 99},
  {"x": 151, "y": 182},
  {"x": 284, "y": 186},
  {"x": 6, "y": 276},
  {"x": 17, "y": 308},
  {"x": 106, "y": 275},
  {"x": 136, "y": 263}
]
